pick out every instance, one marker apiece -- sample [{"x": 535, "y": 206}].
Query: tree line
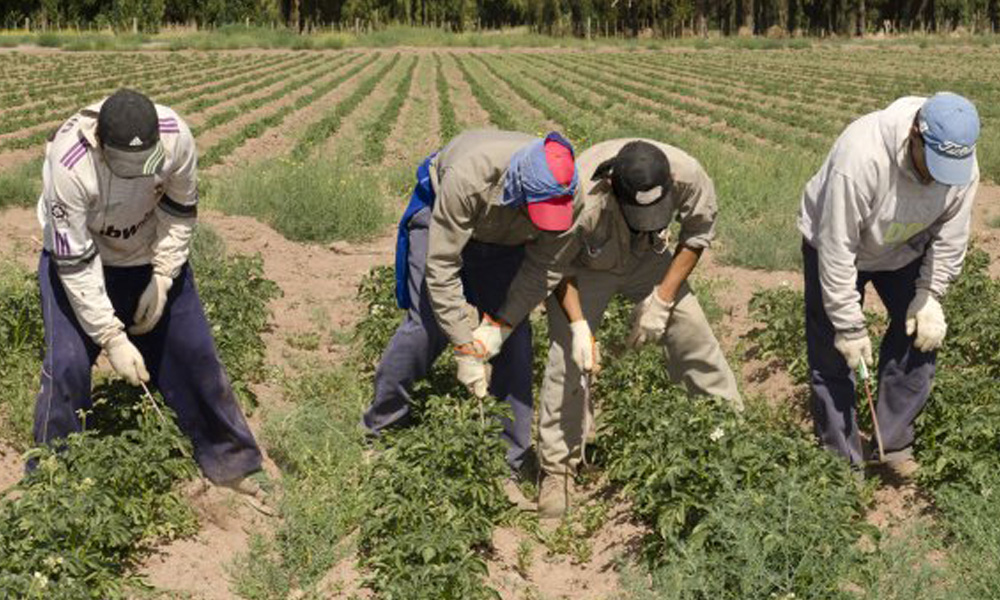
[{"x": 662, "y": 18}]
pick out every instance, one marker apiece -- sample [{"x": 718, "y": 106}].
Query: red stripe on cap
[{"x": 560, "y": 161}]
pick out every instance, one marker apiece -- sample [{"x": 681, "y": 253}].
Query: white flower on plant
[
  {"x": 41, "y": 580},
  {"x": 717, "y": 435}
]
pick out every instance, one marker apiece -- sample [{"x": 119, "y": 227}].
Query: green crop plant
[
  {"x": 100, "y": 499},
  {"x": 332, "y": 120},
  {"x": 738, "y": 506},
  {"x": 21, "y": 347},
  {"x": 235, "y": 295},
  {"x": 782, "y": 337},
  {"x": 378, "y": 130},
  {"x": 74, "y": 526},
  {"x": 499, "y": 115},
  {"x": 446, "y": 111},
  {"x": 432, "y": 498},
  {"x": 377, "y": 292}
]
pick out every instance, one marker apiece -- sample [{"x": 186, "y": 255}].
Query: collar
[{"x": 88, "y": 124}]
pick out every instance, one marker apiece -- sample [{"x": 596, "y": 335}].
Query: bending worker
[
  {"x": 475, "y": 205},
  {"x": 619, "y": 244},
  {"x": 891, "y": 206},
  {"x": 118, "y": 209}
]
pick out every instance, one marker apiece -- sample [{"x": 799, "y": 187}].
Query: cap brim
[
  {"x": 650, "y": 217},
  {"x": 140, "y": 163},
  {"x": 949, "y": 170},
  {"x": 554, "y": 214}
]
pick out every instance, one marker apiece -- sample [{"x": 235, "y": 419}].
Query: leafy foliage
[
  {"x": 739, "y": 507},
  {"x": 72, "y": 527},
  {"x": 21, "y": 346},
  {"x": 783, "y": 335},
  {"x": 433, "y": 497},
  {"x": 973, "y": 319},
  {"x": 372, "y": 334},
  {"x": 235, "y": 295}
]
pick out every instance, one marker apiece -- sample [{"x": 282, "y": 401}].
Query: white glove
[
  {"x": 126, "y": 359},
  {"x": 491, "y": 334},
  {"x": 151, "y": 304},
  {"x": 471, "y": 368},
  {"x": 854, "y": 349},
  {"x": 925, "y": 318},
  {"x": 584, "y": 346},
  {"x": 649, "y": 319}
]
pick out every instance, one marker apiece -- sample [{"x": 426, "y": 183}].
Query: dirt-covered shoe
[
  {"x": 254, "y": 494},
  {"x": 512, "y": 487},
  {"x": 901, "y": 462},
  {"x": 554, "y": 496}
]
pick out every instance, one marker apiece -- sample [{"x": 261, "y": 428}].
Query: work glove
[
  {"x": 584, "y": 346},
  {"x": 126, "y": 359},
  {"x": 925, "y": 318},
  {"x": 855, "y": 349},
  {"x": 491, "y": 334},
  {"x": 649, "y": 319},
  {"x": 471, "y": 362},
  {"x": 151, "y": 304}
]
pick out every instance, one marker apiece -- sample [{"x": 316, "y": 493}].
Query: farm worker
[
  {"x": 619, "y": 244},
  {"x": 476, "y": 204},
  {"x": 118, "y": 209},
  {"x": 891, "y": 206}
]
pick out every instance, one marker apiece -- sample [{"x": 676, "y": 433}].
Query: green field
[{"x": 321, "y": 144}]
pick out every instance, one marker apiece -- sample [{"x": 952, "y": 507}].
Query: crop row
[
  {"x": 292, "y": 81},
  {"x": 381, "y": 126},
  {"x": 155, "y": 86},
  {"x": 318, "y": 132},
  {"x": 224, "y": 147}
]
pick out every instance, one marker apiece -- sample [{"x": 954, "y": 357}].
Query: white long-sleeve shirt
[
  {"x": 91, "y": 218},
  {"x": 867, "y": 210}
]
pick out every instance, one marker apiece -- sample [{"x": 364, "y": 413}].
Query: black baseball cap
[
  {"x": 128, "y": 128},
  {"x": 640, "y": 177}
]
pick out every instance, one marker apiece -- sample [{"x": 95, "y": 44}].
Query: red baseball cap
[{"x": 555, "y": 213}]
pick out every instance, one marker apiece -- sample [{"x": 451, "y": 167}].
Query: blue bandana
[{"x": 529, "y": 178}]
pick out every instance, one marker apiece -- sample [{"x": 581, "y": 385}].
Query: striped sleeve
[
  {"x": 67, "y": 238},
  {"x": 178, "y": 207}
]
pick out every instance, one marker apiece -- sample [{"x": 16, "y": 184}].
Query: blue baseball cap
[{"x": 949, "y": 125}]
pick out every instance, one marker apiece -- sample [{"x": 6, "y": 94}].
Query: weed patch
[{"x": 318, "y": 200}]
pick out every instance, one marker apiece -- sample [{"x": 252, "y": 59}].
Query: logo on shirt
[
  {"x": 898, "y": 233},
  {"x": 58, "y": 211},
  {"x": 125, "y": 232}
]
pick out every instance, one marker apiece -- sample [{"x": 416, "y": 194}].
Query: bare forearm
[
  {"x": 684, "y": 261},
  {"x": 569, "y": 298}
]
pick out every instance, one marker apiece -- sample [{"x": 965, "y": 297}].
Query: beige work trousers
[{"x": 692, "y": 352}]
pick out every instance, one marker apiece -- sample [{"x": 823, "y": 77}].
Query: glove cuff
[
  {"x": 853, "y": 334},
  {"x": 660, "y": 301},
  {"x": 119, "y": 338}
]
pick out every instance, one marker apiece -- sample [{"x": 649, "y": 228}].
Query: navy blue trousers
[
  {"x": 179, "y": 354},
  {"x": 487, "y": 272},
  {"x": 905, "y": 374}
]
